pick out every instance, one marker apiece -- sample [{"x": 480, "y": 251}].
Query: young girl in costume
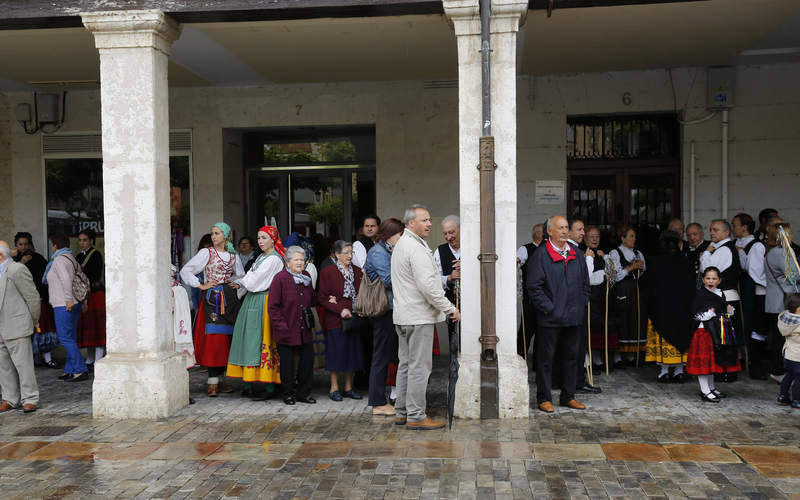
[
  {"x": 713, "y": 346},
  {"x": 219, "y": 304}
]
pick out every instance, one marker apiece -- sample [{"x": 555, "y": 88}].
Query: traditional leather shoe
[
  {"x": 5, "y": 406},
  {"x": 64, "y": 376},
  {"x": 719, "y": 394},
  {"x": 589, "y": 389},
  {"x": 29, "y": 408},
  {"x": 784, "y": 400},
  {"x": 425, "y": 424},
  {"x": 335, "y": 396},
  {"x": 224, "y": 388},
  {"x": 710, "y": 397},
  {"x": 307, "y": 400},
  {"x": 547, "y": 407},
  {"x": 212, "y": 390},
  {"x": 191, "y": 400},
  {"x": 289, "y": 400},
  {"x": 352, "y": 395},
  {"x": 50, "y": 364},
  {"x": 796, "y": 405},
  {"x": 575, "y": 405},
  {"x": 400, "y": 421},
  {"x": 619, "y": 365},
  {"x": 664, "y": 379},
  {"x": 729, "y": 378},
  {"x": 80, "y": 378},
  {"x": 247, "y": 392},
  {"x": 678, "y": 378},
  {"x": 386, "y": 410}
]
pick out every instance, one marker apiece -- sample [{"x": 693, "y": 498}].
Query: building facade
[{"x": 175, "y": 118}]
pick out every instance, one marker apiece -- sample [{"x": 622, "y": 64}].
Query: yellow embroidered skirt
[
  {"x": 252, "y": 323},
  {"x": 660, "y": 350}
]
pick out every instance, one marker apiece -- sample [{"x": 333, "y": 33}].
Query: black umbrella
[{"x": 453, "y": 378}]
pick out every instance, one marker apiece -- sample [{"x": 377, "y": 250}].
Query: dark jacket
[
  {"x": 285, "y": 311},
  {"x": 559, "y": 291},
  {"x": 331, "y": 282}
]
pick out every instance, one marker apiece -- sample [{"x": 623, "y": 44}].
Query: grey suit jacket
[{"x": 19, "y": 302}]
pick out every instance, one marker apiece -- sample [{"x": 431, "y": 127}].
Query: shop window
[{"x": 74, "y": 192}]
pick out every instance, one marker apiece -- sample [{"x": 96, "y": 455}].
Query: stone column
[
  {"x": 513, "y": 373},
  {"x": 141, "y": 377}
]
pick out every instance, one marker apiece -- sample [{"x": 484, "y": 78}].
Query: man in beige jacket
[
  {"x": 419, "y": 303},
  {"x": 19, "y": 313}
]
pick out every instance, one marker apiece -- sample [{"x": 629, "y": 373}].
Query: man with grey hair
[
  {"x": 19, "y": 313},
  {"x": 419, "y": 303}
]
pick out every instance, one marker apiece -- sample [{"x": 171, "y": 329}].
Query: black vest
[
  {"x": 446, "y": 257},
  {"x": 730, "y": 276},
  {"x": 530, "y": 247},
  {"x": 625, "y": 263},
  {"x": 367, "y": 242},
  {"x": 694, "y": 255}
]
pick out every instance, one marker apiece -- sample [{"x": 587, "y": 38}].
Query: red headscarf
[{"x": 272, "y": 231}]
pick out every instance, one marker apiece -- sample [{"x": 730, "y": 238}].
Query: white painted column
[
  {"x": 513, "y": 372},
  {"x": 141, "y": 377}
]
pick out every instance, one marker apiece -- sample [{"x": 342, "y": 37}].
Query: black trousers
[
  {"x": 529, "y": 321},
  {"x": 548, "y": 339},
  {"x": 775, "y": 343},
  {"x": 301, "y": 386},
  {"x": 384, "y": 351}
]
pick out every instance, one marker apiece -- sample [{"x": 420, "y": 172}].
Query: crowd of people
[
  {"x": 691, "y": 306},
  {"x": 694, "y": 307}
]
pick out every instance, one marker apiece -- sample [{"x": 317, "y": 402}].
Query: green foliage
[{"x": 328, "y": 212}]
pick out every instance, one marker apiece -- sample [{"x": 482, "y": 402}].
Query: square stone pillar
[
  {"x": 513, "y": 372},
  {"x": 141, "y": 377}
]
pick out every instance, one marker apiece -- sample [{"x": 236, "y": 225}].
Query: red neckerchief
[{"x": 556, "y": 255}]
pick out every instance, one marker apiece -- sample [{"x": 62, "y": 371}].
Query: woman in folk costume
[
  {"x": 92, "y": 324},
  {"x": 600, "y": 323},
  {"x": 628, "y": 304},
  {"x": 669, "y": 293},
  {"x": 254, "y": 355},
  {"x": 219, "y": 304},
  {"x": 713, "y": 347}
]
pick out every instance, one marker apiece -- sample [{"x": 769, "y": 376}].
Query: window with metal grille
[{"x": 623, "y": 137}]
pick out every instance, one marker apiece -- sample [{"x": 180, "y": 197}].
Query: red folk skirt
[
  {"x": 92, "y": 321},
  {"x": 700, "y": 358},
  {"x": 210, "y": 350},
  {"x": 598, "y": 340}
]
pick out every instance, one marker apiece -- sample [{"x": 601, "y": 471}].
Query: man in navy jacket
[{"x": 558, "y": 285}]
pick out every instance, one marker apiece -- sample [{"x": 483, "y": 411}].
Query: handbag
[
  {"x": 80, "y": 284},
  {"x": 355, "y": 325},
  {"x": 371, "y": 300}
]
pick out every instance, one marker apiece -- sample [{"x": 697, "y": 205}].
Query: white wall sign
[{"x": 549, "y": 192}]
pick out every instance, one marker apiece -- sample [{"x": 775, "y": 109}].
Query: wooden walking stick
[
  {"x": 606, "y": 328},
  {"x": 745, "y": 333},
  {"x": 589, "y": 370},
  {"x": 638, "y": 321},
  {"x": 524, "y": 335}
]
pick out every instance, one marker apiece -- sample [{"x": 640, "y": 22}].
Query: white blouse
[
  {"x": 259, "y": 277},
  {"x": 197, "y": 264},
  {"x": 630, "y": 255}
]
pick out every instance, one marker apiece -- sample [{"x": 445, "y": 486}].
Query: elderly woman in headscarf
[
  {"x": 290, "y": 303},
  {"x": 254, "y": 357},
  {"x": 219, "y": 306},
  {"x": 338, "y": 287}
]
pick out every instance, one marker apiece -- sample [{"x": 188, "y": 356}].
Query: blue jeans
[
  {"x": 67, "y": 330},
  {"x": 792, "y": 375}
]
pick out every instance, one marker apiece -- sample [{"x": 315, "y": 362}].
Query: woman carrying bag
[{"x": 384, "y": 345}]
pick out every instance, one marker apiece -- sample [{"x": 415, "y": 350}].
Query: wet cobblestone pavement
[{"x": 637, "y": 439}]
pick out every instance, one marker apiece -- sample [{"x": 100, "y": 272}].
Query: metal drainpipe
[
  {"x": 488, "y": 257},
  {"x": 724, "y": 164}
]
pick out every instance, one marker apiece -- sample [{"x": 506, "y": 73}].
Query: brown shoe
[
  {"x": 212, "y": 390},
  {"x": 386, "y": 410},
  {"x": 5, "y": 406},
  {"x": 575, "y": 405},
  {"x": 225, "y": 388},
  {"x": 547, "y": 407},
  {"x": 400, "y": 421},
  {"x": 425, "y": 425},
  {"x": 29, "y": 407}
]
